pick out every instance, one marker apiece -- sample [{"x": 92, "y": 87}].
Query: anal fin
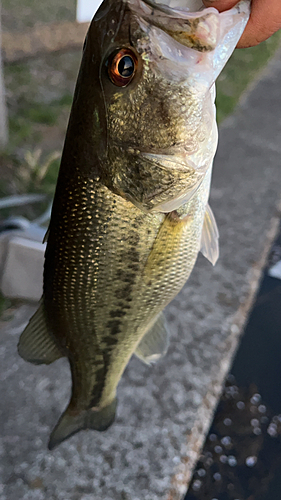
[
  {"x": 36, "y": 343},
  {"x": 210, "y": 237},
  {"x": 155, "y": 342}
]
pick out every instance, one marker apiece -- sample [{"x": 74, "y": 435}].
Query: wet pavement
[{"x": 241, "y": 458}]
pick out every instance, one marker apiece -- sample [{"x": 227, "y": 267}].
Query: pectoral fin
[
  {"x": 210, "y": 237},
  {"x": 36, "y": 343},
  {"x": 155, "y": 342},
  {"x": 165, "y": 247}
]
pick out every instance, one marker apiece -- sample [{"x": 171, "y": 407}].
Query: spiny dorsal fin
[
  {"x": 155, "y": 342},
  {"x": 36, "y": 343},
  {"x": 210, "y": 237}
]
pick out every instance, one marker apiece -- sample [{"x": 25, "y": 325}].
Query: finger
[
  {"x": 265, "y": 19},
  {"x": 221, "y": 5}
]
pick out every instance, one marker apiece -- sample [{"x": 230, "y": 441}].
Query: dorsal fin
[
  {"x": 210, "y": 237},
  {"x": 155, "y": 342},
  {"x": 36, "y": 343}
]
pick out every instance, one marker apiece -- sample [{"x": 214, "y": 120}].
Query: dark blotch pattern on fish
[
  {"x": 114, "y": 326},
  {"x": 119, "y": 313}
]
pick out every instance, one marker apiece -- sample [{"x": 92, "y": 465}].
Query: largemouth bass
[{"x": 131, "y": 211}]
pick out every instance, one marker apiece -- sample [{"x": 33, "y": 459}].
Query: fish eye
[{"x": 122, "y": 67}]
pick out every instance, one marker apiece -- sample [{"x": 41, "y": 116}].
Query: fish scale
[{"x": 130, "y": 212}]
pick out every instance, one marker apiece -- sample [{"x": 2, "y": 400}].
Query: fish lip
[
  {"x": 179, "y": 12},
  {"x": 161, "y": 7}
]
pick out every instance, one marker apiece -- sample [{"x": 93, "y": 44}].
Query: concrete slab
[
  {"x": 21, "y": 259},
  {"x": 165, "y": 410},
  {"x": 22, "y": 276}
]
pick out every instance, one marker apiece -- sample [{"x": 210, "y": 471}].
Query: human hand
[{"x": 265, "y": 19}]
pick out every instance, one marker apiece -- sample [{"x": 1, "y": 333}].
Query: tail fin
[{"x": 71, "y": 423}]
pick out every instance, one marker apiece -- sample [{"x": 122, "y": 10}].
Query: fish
[{"x": 130, "y": 211}]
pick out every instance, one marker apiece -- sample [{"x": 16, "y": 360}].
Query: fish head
[{"x": 153, "y": 70}]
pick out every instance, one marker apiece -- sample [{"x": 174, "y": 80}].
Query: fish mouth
[
  {"x": 186, "y": 41},
  {"x": 186, "y": 21},
  {"x": 171, "y": 6}
]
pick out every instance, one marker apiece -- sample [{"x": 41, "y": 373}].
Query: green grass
[
  {"x": 40, "y": 113},
  {"x": 4, "y": 304},
  {"x": 39, "y": 96},
  {"x": 65, "y": 100},
  {"x": 243, "y": 66},
  {"x": 19, "y": 129}
]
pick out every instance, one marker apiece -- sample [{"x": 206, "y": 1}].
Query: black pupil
[{"x": 126, "y": 66}]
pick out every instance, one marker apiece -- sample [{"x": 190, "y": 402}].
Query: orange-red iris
[{"x": 122, "y": 67}]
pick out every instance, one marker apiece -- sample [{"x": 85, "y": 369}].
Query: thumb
[
  {"x": 221, "y": 5},
  {"x": 265, "y": 19}
]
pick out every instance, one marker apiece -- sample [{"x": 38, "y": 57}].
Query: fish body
[{"x": 130, "y": 212}]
